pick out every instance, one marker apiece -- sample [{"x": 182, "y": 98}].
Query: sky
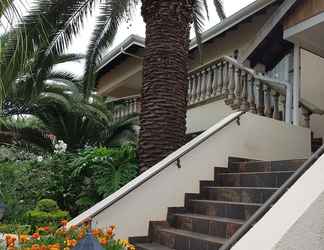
[{"x": 134, "y": 26}]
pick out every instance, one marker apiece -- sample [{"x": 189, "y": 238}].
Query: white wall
[
  {"x": 257, "y": 137},
  {"x": 296, "y": 221},
  {"x": 312, "y": 87},
  {"x": 204, "y": 116}
]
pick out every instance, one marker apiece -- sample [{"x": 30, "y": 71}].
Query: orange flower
[
  {"x": 113, "y": 226},
  {"x": 23, "y": 238},
  {"x": 10, "y": 241},
  {"x": 36, "y": 236},
  {"x": 71, "y": 243},
  {"x": 110, "y": 231},
  {"x": 64, "y": 223},
  {"x": 103, "y": 241},
  {"x": 35, "y": 247},
  {"x": 54, "y": 247},
  {"x": 96, "y": 232}
]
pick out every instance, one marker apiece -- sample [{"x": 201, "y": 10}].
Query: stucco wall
[
  {"x": 308, "y": 232},
  {"x": 312, "y": 87},
  {"x": 295, "y": 222},
  {"x": 204, "y": 116},
  {"x": 235, "y": 39},
  {"x": 257, "y": 138}
]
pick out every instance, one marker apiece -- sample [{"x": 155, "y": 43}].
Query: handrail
[
  {"x": 124, "y": 98},
  {"x": 312, "y": 108},
  {"x": 272, "y": 200},
  {"x": 274, "y": 83},
  {"x": 159, "y": 167}
]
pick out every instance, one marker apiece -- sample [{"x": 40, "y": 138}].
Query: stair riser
[
  {"x": 237, "y": 195},
  {"x": 242, "y": 212},
  {"x": 252, "y": 180},
  {"x": 178, "y": 242},
  {"x": 292, "y": 165},
  {"x": 203, "y": 226}
]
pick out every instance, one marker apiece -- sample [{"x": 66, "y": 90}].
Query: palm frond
[
  {"x": 112, "y": 13},
  {"x": 220, "y": 9},
  {"x": 198, "y": 23}
]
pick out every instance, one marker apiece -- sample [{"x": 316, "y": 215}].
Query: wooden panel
[{"x": 305, "y": 9}]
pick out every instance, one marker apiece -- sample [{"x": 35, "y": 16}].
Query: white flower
[
  {"x": 60, "y": 147},
  {"x": 40, "y": 158}
]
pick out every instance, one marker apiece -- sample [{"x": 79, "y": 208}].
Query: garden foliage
[{"x": 76, "y": 181}]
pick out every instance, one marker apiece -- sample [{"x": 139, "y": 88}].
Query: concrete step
[
  {"x": 151, "y": 246},
  {"x": 265, "y": 166},
  {"x": 204, "y": 224},
  {"x": 234, "y": 210},
  {"x": 182, "y": 239},
  {"x": 253, "y": 179},
  {"x": 238, "y": 194}
]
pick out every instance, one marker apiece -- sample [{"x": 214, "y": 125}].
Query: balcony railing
[{"x": 241, "y": 88}]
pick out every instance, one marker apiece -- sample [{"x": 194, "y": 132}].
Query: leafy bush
[
  {"x": 110, "y": 169},
  {"x": 47, "y": 205},
  {"x": 46, "y": 213},
  {"x": 76, "y": 181},
  {"x": 15, "y": 229}
]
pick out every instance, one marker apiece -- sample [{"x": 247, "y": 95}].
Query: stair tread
[
  {"x": 239, "y": 187},
  {"x": 267, "y": 162},
  {"x": 259, "y": 173},
  {"x": 212, "y": 218},
  {"x": 227, "y": 202},
  {"x": 152, "y": 246},
  {"x": 205, "y": 237}
]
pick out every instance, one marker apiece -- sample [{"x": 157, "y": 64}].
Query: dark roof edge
[{"x": 127, "y": 43}]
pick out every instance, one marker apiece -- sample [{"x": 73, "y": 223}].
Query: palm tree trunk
[{"x": 164, "y": 92}]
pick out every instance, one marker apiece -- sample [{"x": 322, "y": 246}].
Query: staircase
[
  {"x": 316, "y": 143},
  {"x": 211, "y": 217}
]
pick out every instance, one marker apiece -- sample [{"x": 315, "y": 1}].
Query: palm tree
[{"x": 163, "y": 117}]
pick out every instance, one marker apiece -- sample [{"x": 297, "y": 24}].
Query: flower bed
[{"x": 46, "y": 238}]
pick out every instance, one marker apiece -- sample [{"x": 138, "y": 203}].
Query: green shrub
[
  {"x": 38, "y": 218},
  {"x": 47, "y": 205},
  {"x": 14, "y": 229},
  {"x": 46, "y": 213}
]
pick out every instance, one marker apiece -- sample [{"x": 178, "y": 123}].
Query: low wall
[
  {"x": 204, "y": 116},
  {"x": 296, "y": 221},
  {"x": 256, "y": 137}
]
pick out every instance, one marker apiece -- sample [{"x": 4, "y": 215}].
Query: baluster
[
  {"x": 282, "y": 99},
  {"x": 244, "y": 97},
  {"x": 193, "y": 90},
  {"x": 252, "y": 94},
  {"x": 226, "y": 80},
  {"x": 208, "y": 83},
  {"x": 214, "y": 80},
  {"x": 307, "y": 114},
  {"x": 131, "y": 106},
  {"x": 198, "y": 87},
  {"x": 238, "y": 89},
  {"x": 220, "y": 79},
  {"x": 260, "y": 97},
  {"x": 267, "y": 101},
  {"x": 122, "y": 109},
  {"x": 231, "y": 95},
  {"x": 275, "y": 96},
  {"x": 126, "y": 108},
  {"x": 203, "y": 85},
  {"x": 189, "y": 90}
]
